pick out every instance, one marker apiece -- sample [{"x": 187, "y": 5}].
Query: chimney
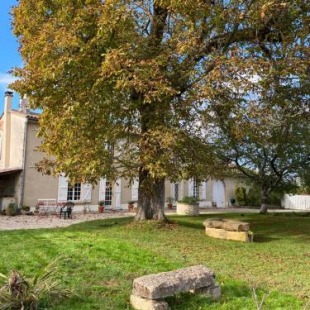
[
  {"x": 23, "y": 104},
  {"x": 6, "y": 138},
  {"x": 8, "y": 95}
]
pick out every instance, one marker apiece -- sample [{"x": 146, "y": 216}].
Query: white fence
[{"x": 296, "y": 202}]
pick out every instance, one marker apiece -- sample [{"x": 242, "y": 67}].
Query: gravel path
[{"x": 51, "y": 221}]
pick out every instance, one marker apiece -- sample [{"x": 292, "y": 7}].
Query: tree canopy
[
  {"x": 123, "y": 85},
  {"x": 266, "y": 137}
]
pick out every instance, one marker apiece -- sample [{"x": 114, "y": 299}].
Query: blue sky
[{"x": 9, "y": 56}]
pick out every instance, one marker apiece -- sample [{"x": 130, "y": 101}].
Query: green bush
[
  {"x": 253, "y": 197},
  {"x": 241, "y": 196},
  {"x": 189, "y": 200},
  {"x": 275, "y": 198},
  {"x": 12, "y": 209},
  {"x": 26, "y": 208}
]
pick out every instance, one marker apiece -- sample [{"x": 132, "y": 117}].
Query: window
[
  {"x": 196, "y": 189},
  {"x": 108, "y": 194},
  {"x": 74, "y": 192},
  {"x": 176, "y": 192}
]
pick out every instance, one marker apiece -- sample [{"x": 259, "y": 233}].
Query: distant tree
[
  {"x": 266, "y": 134},
  {"x": 122, "y": 84}
]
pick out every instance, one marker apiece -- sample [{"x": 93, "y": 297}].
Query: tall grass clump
[{"x": 20, "y": 293}]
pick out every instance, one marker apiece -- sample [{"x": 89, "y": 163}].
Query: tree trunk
[
  {"x": 158, "y": 200},
  {"x": 264, "y": 200},
  {"x": 151, "y": 198}
]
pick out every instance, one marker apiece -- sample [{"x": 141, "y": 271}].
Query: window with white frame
[
  {"x": 196, "y": 189},
  {"x": 108, "y": 194},
  {"x": 176, "y": 191},
  {"x": 74, "y": 192}
]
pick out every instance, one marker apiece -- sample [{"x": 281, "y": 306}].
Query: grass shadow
[
  {"x": 231, "y": 291},
  {"x": 266, "y": 228},
  {"x": 100, "y": 224},
  {"x": 188, "y": 221},
  {"x": 263, "y": 238}
]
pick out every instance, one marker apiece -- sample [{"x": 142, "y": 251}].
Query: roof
[
  {"x": 9, "y": 171},
  {"x": 30, "y": 115}
]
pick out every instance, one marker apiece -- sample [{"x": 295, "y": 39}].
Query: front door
[{"x": 219, "y": 194}]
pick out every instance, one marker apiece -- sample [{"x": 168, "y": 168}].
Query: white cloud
[{"x": 6, "y": 79}]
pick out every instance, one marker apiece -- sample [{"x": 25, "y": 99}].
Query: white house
[{"x": 20, "y": 181}]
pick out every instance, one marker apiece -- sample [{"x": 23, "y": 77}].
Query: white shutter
[
  {"x": 86, "y": 192},
  {"x": 203, "y": 190},
  {"x": 62, "y": 189},
  {"x": 181, "y": 190},
  {"x": 172, "y": 191},
  {"x": 134, "y": 190},
  {"x": 190, "y": 187},
  {"x": 118, "y": 189},
  {"x": 102, "y": 187}
]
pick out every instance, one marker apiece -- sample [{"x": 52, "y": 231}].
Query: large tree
[{"x": 122, "y": 83}]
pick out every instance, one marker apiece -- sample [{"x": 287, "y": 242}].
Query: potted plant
[
  {"x": 36, "y": 209},
  {"x": 12, "y": 209},
  {"x": 26, "y": 208},
  {"x": 131, "y": 205},
  {"x": 101, "y": 206},
  {"x": 169, "y": 201},
  {"x": 188, "y": 206}
]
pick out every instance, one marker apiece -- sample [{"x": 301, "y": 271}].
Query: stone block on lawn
[
  {"x": 164, "y": 284},
  {"x": 244, "y": 236},
  {"x": 140, "y": 303},
  {"x": 213, "y": 291},
  {"x": 229, "y": 225}
]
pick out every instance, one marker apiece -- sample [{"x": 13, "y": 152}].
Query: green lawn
[{"x": 103, "y": 257}]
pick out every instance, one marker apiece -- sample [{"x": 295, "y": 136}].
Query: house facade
[{"x": 20, "y": 182}]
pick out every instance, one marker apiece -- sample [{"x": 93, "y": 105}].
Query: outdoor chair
[{"x": 66, "y": 210}]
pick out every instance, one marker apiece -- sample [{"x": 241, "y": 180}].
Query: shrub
[
  {"x": 189, "y": 200},
  {"x": 26, "y": 208},
  {"x": 11, "y": 209},
  {"x": 275, "y": 198},
  {"x": 241, "y": 197},
  {"x": 21, "y": 293},
  {"x": 253, "y": 196}
]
